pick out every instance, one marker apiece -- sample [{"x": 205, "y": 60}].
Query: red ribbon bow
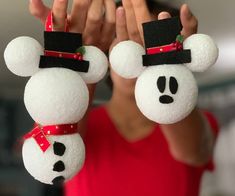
[{"x": 39, "y": 133}]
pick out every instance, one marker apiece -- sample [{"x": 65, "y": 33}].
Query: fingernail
[
  {"x": 163, "y": 15},
  {"x": 120, "y": 11}
]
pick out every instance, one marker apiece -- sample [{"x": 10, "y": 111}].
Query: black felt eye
[
  {"x": 173, "y": 85},
  {"x": 161, "y": 83}
]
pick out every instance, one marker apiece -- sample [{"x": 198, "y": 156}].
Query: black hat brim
[
  {"x": 172, "y": 57},
  {"x": 73, "y": 64}
]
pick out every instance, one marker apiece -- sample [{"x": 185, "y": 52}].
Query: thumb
[{"x": 188, "y": 21}]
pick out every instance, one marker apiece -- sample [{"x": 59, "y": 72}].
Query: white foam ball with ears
[
  {"x": 204, "y": 52},
  {"x": 22, "y": 56},
  {"x": 98, "y": 65},
  {"x": 126, "y": 59}
]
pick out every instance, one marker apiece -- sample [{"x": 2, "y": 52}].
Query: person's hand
[
  {"x": 142, "y": 14},
  {"x": 126, "y": 29},
  {"x": 126, "y": 24},
  {"x": 94, "y": 19}
]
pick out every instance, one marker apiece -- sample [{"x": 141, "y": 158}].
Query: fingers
[
  {"x": 188, "y": 21},
  {"x": 39, "y": 10},
  {"x": 163, "y": 15},
  {"x": 59, "y": 11},
  {"x": 79, "y": 15},
  {"x": 92, "y": 30},
  {"x": 108, "y": 28},
  {"x": 142, "y": 14},
  {"x": 121, "y": 26},
  {"x": 131, "y": 22}
]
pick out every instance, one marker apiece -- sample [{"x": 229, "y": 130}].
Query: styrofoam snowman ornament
[
  {"x": 166, "y": 90},
  {"x": 56, "y": 97}
]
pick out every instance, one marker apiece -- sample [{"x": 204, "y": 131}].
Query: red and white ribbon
[
  {"x": 176, "y": 46},
  {"x": 40, "y": 133},
  {"x": 50, "y": 23}
]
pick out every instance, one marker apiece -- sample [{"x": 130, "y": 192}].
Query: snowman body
[
  {"x": 56, "y": 97},
  {"x": 61, "y": 161}
]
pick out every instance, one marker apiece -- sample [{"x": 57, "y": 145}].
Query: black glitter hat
[
  {"x": 163, "y": 43},
  {"x": 63, "y": 49}
]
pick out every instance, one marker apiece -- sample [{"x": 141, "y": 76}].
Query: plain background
[{"x": 216, "y": 18}]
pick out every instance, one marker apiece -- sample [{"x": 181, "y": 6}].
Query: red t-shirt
[{"x": 116, "y": 167}]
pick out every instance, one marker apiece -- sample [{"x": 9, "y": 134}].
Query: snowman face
[
  {"x": 162, "y": 83},
  {"x": 56, "y": 96},
  {"x": 166, "y": 93}
]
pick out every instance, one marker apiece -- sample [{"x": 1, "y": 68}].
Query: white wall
[
  {"x": 216, "y": 18},
  {"x": 15, "y": 20}
]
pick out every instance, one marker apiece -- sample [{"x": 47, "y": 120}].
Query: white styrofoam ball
[
  {"x": 40, "y": 164},
  {"x": 204, "y": 52},
  {"x": 166, "y": 94},
  {"x": 56, "y": 96},
  {"x": 22, "y": 56},
  {"x": 126, "y": 59},
  {"x": 98, "y": 65}
]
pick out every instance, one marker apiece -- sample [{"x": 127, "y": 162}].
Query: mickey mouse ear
[
  {"x": 98, "y": 65},
  {"x": 204, "y": 52},
  {"x": 22, "y": 56},
  {"x": 126, "y": 59}
]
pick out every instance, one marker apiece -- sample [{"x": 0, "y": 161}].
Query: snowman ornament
[
  {"x": 56, "y": 97},
  {"x": 166, "y": 91}
]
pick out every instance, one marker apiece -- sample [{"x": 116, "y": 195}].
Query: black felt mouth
[{"x": 166, "y": 99}]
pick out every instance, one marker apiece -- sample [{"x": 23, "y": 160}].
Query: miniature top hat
[
  {"x": 63, "y": 49},
  {"x": 163, "y": 43}
]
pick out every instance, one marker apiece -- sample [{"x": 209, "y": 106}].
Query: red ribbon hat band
[
  {"x": 175, "y": 46},
  {"x": 39, "y": 133}
]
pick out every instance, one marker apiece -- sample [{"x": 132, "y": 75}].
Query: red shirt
[{"x": 116, "y": 167}]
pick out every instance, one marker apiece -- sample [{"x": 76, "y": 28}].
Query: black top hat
[
  {"x": 64, "y": 50},
  {"x": 162, "y": 46}
]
